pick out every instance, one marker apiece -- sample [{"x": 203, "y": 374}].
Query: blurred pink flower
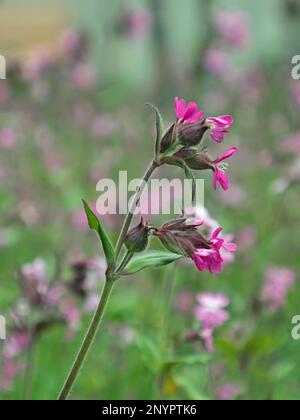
[
  {"x": 187, "y": 112},
  {"x": 102, "y": 125},
  {"x": 295, "y": 92},
  {"x": 219, "y": 126},
  {"x": 234, "y": 197},
  {"x": 291, "y": 143},
  {"x": 91, "y": 303},
  {"x": 184, "y": 302},
  {"x": 278, "y": 282},
  {"x": 137, "y": 22},
  {"x": 201, "y": 213},
  {"x": 52, "y": 161},
  {"x": 70, "y": 40},
  {"x": 71, "y": 314},
  {"x": 36, "y": 64},
  {"x": 83, "y": 76},
  {"x": 10, "y": 370},
  {"x": 81, "y": 113},
  {"x": 252, "y": 86},
  {"x": 210, "y": 311},
  {"x": 8, "y": 138},
  {"x": 228, "y": 392},
  {"x": 34, "y": 281},
  {"x": 233, "y": 26},
  {"x": 16, "y": 344},
  {"x": 217, "y": 62},
  {"x": 246, "y": 238}
]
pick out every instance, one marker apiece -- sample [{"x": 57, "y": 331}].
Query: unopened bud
[
  {"x": 191, "y": 134},
  {"x": 137, "y": 238},
  {"x": 195, "y": 159},
  {"x": 168, "y": 139}
]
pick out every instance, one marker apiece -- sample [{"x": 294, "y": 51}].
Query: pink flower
[
  {"x": 219, "y": 174},
  {"x": 219, "y": 126},
  {"x": 37, "y": 64},
  {"x": 210, "y": 311},
  {"x": 187, "y": 113},
  {"x": 16, "y": 344},
  {"x": 103, "y": 125},
  {"x": 182, "y": 236},
  {"x": 233, "y": 27},
  {"x": 279, "y": 282},
  {"x": 8, "y": 138},
  {"x": 218, "y": 62},
  {"x": 292, "y": 143},
  {"x": 137, "y": 22},
  {"x": 295, "y": 91},
  {"x": 184, "y": 302},
  {"x": 34, "y": 281},
  {"x": 83, "y": 76},
  {"x": 71, "y": 314},
  {"x": 211, "y": 259},
  {"x": 70, "y": 40},
  {"x": 228, "y": 392},
  {"x": 10, "y": 371}
]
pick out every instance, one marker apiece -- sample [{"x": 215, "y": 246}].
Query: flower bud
[
  {"x": 137, "y": 238},
  {"x": 168, "y": 139},
  {"x": 195, "y": 159},
  {"x": 191, "y": 134}
]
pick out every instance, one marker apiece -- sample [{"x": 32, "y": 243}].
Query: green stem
[
  {"x": 88, "y": 340},
  {"x": 94, "y": 326},
  {"x": 127, "y": 257},
  {"x": 127, "y": 222}
]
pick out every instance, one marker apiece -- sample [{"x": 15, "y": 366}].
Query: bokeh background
[{"x": 78, "y": 74}]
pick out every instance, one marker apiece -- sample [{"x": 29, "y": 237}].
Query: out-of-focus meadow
[{"x": 72, "y": 113}]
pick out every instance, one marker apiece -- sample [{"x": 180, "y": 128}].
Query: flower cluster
[
  {"x": 183, "y": 236},
  {"x": 188, "y": 132},
  {"x": 44, "y": 304}
]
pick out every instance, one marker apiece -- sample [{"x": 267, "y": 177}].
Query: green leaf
[
  {"x": 151, "y": 259},
  {"x": 150, "y": 352},
  {"x": 190, "y": 389},
  {"x": 95, "y": 224},
  {"x": 159, "y": 128}
]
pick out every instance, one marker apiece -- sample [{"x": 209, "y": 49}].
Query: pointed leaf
[
  {"x": 159, "y": 128},
  {"x": 95, "y": 224},
  {"x": 150, "y": 259}
]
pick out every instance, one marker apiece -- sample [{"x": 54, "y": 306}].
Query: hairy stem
[
  {"x": 88, "y": 340},
  {"x": 127, "y": 222},
  {"x": 94, "y": 326}
]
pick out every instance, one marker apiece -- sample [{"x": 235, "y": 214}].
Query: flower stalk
[{"x": 88, "y": 340}]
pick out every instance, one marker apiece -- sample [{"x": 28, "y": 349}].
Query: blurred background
[{"x": 78, "y": 74}]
